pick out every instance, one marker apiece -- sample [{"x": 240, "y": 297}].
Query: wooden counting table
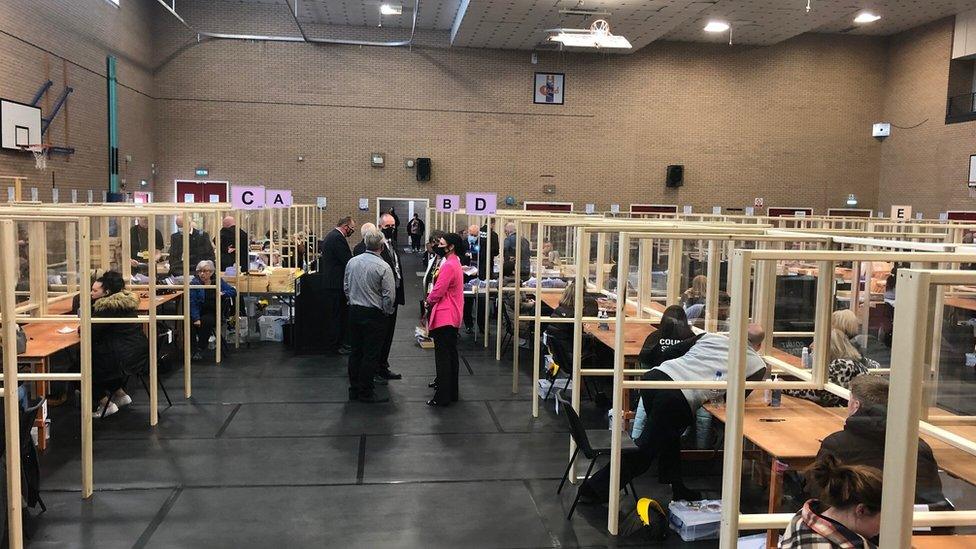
[{"x": 45, "y": 340}]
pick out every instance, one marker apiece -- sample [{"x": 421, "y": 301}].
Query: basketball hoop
[{"x": 40, "y": 152}]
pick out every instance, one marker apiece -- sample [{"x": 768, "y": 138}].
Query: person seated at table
[
  {"x": 846, "y": 513},
  {"x": 665, "y": 414},
  {"x": 203, "y": 306},
  {"x": 695, "y": 295},
  {"x": 673, "y": 329},
  {"x": 846, "y": 363},
  {"x": 862, "y": 442},
  {"x": 118, "y": 349},
  {"x": 846, "y": 321},
  {"x": 550, "y": 257}
]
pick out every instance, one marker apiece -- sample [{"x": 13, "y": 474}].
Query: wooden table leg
[
  {"x": 40, "y": 421},
  {"x": 776, "y": 470}
]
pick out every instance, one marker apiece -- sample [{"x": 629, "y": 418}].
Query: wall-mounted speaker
[
  {"x": 423, "y": 169},
  {"x": 676, "y": 176}
]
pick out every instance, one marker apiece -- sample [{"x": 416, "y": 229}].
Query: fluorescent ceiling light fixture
[
  {"x": 391, "y": 9},
  {"x": 597, "y": 36},
  {"x": 866, "y": 17},
  {"x": 716, "y": 26}
]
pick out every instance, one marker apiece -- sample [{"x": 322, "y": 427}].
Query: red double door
[{"x": 201, "y": 191}]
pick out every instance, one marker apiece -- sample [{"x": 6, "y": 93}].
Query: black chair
[
  {"x": 564, "y": 358},
  {"x": 582, "y": 440},
  {"x": 507, "y": 314}
]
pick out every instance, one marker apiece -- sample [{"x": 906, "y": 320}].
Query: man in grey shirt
[{"x": 371, "y": 290}]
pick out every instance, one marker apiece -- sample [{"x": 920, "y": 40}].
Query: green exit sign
[{"x": 203, "y": 172}]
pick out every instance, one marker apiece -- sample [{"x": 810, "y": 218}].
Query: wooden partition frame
[{"x": 732, "y": 520}]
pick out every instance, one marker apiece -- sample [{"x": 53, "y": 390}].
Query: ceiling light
[
  {"x": 391, "y": 9},
  {"x": 597, "y": 36},
  {"x": 716, "y": 26},
  {"x": 866, "y": 17}
]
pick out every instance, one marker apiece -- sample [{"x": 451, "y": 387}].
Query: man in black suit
[
  {"x": 139, "y": 244},
  {"x": 484, "y": 262},
  {"x": 388, "y": 226},
  {"x": 200, "y": 248},
  {"x": 229, "y": 254},
  {"x": 332, "y": 263}
]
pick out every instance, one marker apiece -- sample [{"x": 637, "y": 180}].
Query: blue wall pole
[{"x": 113, "y": 126}]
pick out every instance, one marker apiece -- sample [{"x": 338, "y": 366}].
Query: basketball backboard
[{"x": 20, "y": 125}]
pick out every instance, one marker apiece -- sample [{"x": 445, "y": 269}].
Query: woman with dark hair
[
  {"x": 445, "y": 303},
  {"x": 118, "y": 349},
  {"x": 847, "y": 513},
  {"x": 673, "y": 329}
]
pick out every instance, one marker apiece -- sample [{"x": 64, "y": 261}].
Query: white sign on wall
[
  {"x": 590, "y": 208},
  {"x": 686, "y": 209},
  {"x": 972, "y": 168},
  {"x": 717, "y": 210},
  {"x": 901, "y": 212},
  {"x": 614, "y": 208},
  {"x": 364, "y": 204},
  {"x": 321, "y": 202}
]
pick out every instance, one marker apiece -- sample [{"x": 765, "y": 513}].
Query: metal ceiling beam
[{"x": 303, "y": 38}]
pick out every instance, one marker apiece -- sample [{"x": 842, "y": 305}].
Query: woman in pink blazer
[{"x": 446, "y": 305}]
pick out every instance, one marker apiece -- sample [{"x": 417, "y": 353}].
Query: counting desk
[
  {"x": 63, "y": 307},
  {"x": 43, "y": 342},
  {"x": 943, "y": 542}
]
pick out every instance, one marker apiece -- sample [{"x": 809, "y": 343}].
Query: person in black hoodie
[
  {"x": 673, "y": 329},
  {"x": 229, "y": 253},
  {"x": 862, "y": 442},
  {"x": 118, "y": 349}
]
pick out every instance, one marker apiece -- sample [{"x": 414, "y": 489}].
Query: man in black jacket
[
  {"x": 484, "y": 262},
  {"x": 200, "y": 248},
  {"x": 862, "y": 442},
  {"x": 229, "y": 254},
  {"x": 335, "y": 254},
  {"x": 139, "y": 244},
  {"x": 392, "y": 258}
]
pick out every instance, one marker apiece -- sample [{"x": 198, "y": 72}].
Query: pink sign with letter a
[{"x": 278, "y": 198}]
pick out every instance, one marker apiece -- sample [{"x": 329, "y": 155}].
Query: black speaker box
[
  {"x": 676, "y": 176},
  {"x": 423, "y": 169}
]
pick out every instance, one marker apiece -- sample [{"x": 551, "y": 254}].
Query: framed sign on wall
[{"x": 549, "y": 88}]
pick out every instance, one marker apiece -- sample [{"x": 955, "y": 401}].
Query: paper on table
[
  {"x": 921, "y": 508},
  {"x": 66, "y": 330}
]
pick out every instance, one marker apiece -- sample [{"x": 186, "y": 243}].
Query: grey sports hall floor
[{"x": 268, "y": 453}]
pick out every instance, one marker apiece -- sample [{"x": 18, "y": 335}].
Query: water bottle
[
  {"x": 776, "y": 397},
  {"x": 715, "y": 395},
  {"x": 805, "y": 359}
]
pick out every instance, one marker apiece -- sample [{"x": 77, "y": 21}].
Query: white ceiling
[{"x": 520, "y": 24}]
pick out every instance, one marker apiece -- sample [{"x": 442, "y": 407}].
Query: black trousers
[
  {"x": 668, "y": 416},
  {"x": 474, "y": 311},
  {"x": 446, "y": 361},
  {"x": 388, "y": 341},
  {"x": 201, "y": 334},
  {"x": 336, "y": 314},
  {"x": 367, "y": 330}
]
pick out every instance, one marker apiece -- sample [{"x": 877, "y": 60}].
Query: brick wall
[
  {"x": 926, "y": 166},
  {"x": 790, "y": 123},
  {"x": 67, "y": 42}
]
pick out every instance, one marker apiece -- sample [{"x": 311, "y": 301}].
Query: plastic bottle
[
  {"x": 805, "y": 359},
  {"x": 715, "y": 396},
  {"x": 776, "y": 397}
]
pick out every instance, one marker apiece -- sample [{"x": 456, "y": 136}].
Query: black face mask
[
  {"x": 388, "y": 232},
  {"x": 441, "y": 251}
]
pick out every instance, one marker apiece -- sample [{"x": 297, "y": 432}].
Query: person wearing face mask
[
  {"x": 388, "y": 226},
  {"x": 335, "y": 254},
  {"x": 473, "y": 308},
  {"x": 445, "y": 303}
]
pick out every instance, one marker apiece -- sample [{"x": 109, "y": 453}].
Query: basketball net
[{"x": 40, "y": 155}]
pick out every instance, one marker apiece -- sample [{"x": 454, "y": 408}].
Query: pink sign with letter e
[
  {"x": 278, "y": 198},
  {"x": 448, "y": 203},
  {"x": 480, "y": 203},
  {"x": 247, "y": 198}
]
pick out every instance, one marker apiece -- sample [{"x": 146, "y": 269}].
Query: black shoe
[
  {"x": 379, "y": 380},
  {"x": 197, "y": 355},
  {"x": 344, "y": 350},
  {"x": 588, "y": 495},
  {"x": 433, "y": 402},
  {"x": 468, "y": 330},
  {"x": 353, "y": 394},
  {"x": 387, "y": 374},
  {"x": 432, "y": 384},
  {"x": 373, "y": 398},
  {"x": 683, "y": 493}
]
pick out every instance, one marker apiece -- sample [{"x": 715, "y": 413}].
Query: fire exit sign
[{"x": 203, "y": 172}]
